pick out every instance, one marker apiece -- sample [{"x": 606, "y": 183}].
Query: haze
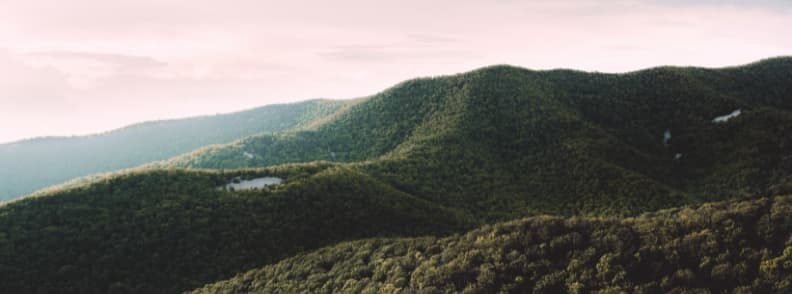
[{"x": 78, "y": 67}]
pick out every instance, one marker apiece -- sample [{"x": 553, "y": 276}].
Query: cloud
[
  {"x": 28, "y": 95},
  {"x": 25, "y": 87},
  {"x": 761, "y": 4},
  {"x": 101, "y": 64},
  {"x": 125, "y": 61},
  {"x": 432, "y": 39},
  {"x": 393, "y": 54},
  {"x": 404, "y": 48}
]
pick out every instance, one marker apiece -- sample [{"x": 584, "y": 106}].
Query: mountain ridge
[
  {"x": 428, "y": 157},
  {"x": 40, "y": 162},
  {"x": 595, "y": 115},
  {"x": 160, "y": 121}
]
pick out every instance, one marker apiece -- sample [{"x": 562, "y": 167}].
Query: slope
[
  {"x": 726, "y": 247},
  {"x": 427, "y": 157},
  {"x": 170, "y": 231},
  {"x": 29, "y": 165},
  {"x": 508, "y": 141}
]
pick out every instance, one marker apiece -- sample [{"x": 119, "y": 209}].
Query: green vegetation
[
  {"x": 169, "y": 231},
  {"x": 506, "y": 142},
  {"x": 34, "y": 164},
  {"x": 732, "y": 247},
  {"x": 439, "y": 156}
]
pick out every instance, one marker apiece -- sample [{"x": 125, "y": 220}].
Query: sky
[{"x": 85, "y": 66}]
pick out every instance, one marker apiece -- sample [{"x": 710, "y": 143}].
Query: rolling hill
[
  {"x": 33, "y": 164},
  {"x": 435, "y": 157}
]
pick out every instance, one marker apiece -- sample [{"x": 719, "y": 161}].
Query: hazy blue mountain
[{"x": 32, "y": 164}]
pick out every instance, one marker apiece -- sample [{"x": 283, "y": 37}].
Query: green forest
[
  {"x": 743, "y": 246},
  {"x": 519, "y": 142},
  {"x": 501, "y": 179}
]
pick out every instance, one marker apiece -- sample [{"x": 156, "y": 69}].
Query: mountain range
[
  {"x": 33, "y": 164},
  {"x": 499, "y": 179}
]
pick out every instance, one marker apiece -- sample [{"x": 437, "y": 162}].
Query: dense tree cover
[
  {"x": 433, "y": 157},
  {"x": 515, "y": 141},
  {"x": 33, "y": 164},
  {"x": 169, "y": 231},
  {"x": 731, "y": 247}
]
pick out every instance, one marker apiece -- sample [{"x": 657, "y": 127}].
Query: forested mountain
[
  {"x": 439, "y": 156},
  {"x": 29, "y": 165},
  {"x": 731, "y": 247}
]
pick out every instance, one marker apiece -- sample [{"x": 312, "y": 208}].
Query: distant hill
[
  {"x": 33, "y": 164},
  {"x": 731, "y": 247},
  {"x": 440, "y": 156}
]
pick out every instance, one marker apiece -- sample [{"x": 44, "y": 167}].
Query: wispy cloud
[
  {"x": 374, "y": 53},
  {"x": 434, "y": 39},
  {"x": 759, "y": 4},
  {"x": 101, "y": 64},
  {"x": 129, "y": 61}
]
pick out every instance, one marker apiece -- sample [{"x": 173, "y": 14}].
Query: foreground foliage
[{"x": 743, "y": 246}]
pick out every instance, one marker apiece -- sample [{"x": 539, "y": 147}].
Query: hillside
[
  {"x": 169, "y": 231},
  {"x": 432, "y": 157},
  {"x": 34, "y": 164},
  {"x": 743, "y": 246},
  {"x": 517, "y": 141}
]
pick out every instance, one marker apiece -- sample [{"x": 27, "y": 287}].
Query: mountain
[
  {"x": 34, "y": 164},
  {"x": 506, "y": 141},
  {"x": 428, "y": 157},
  {"x": 727, "y": 247}
]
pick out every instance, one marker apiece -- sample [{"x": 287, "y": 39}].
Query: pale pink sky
[{"x": 83, "y": 66}]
